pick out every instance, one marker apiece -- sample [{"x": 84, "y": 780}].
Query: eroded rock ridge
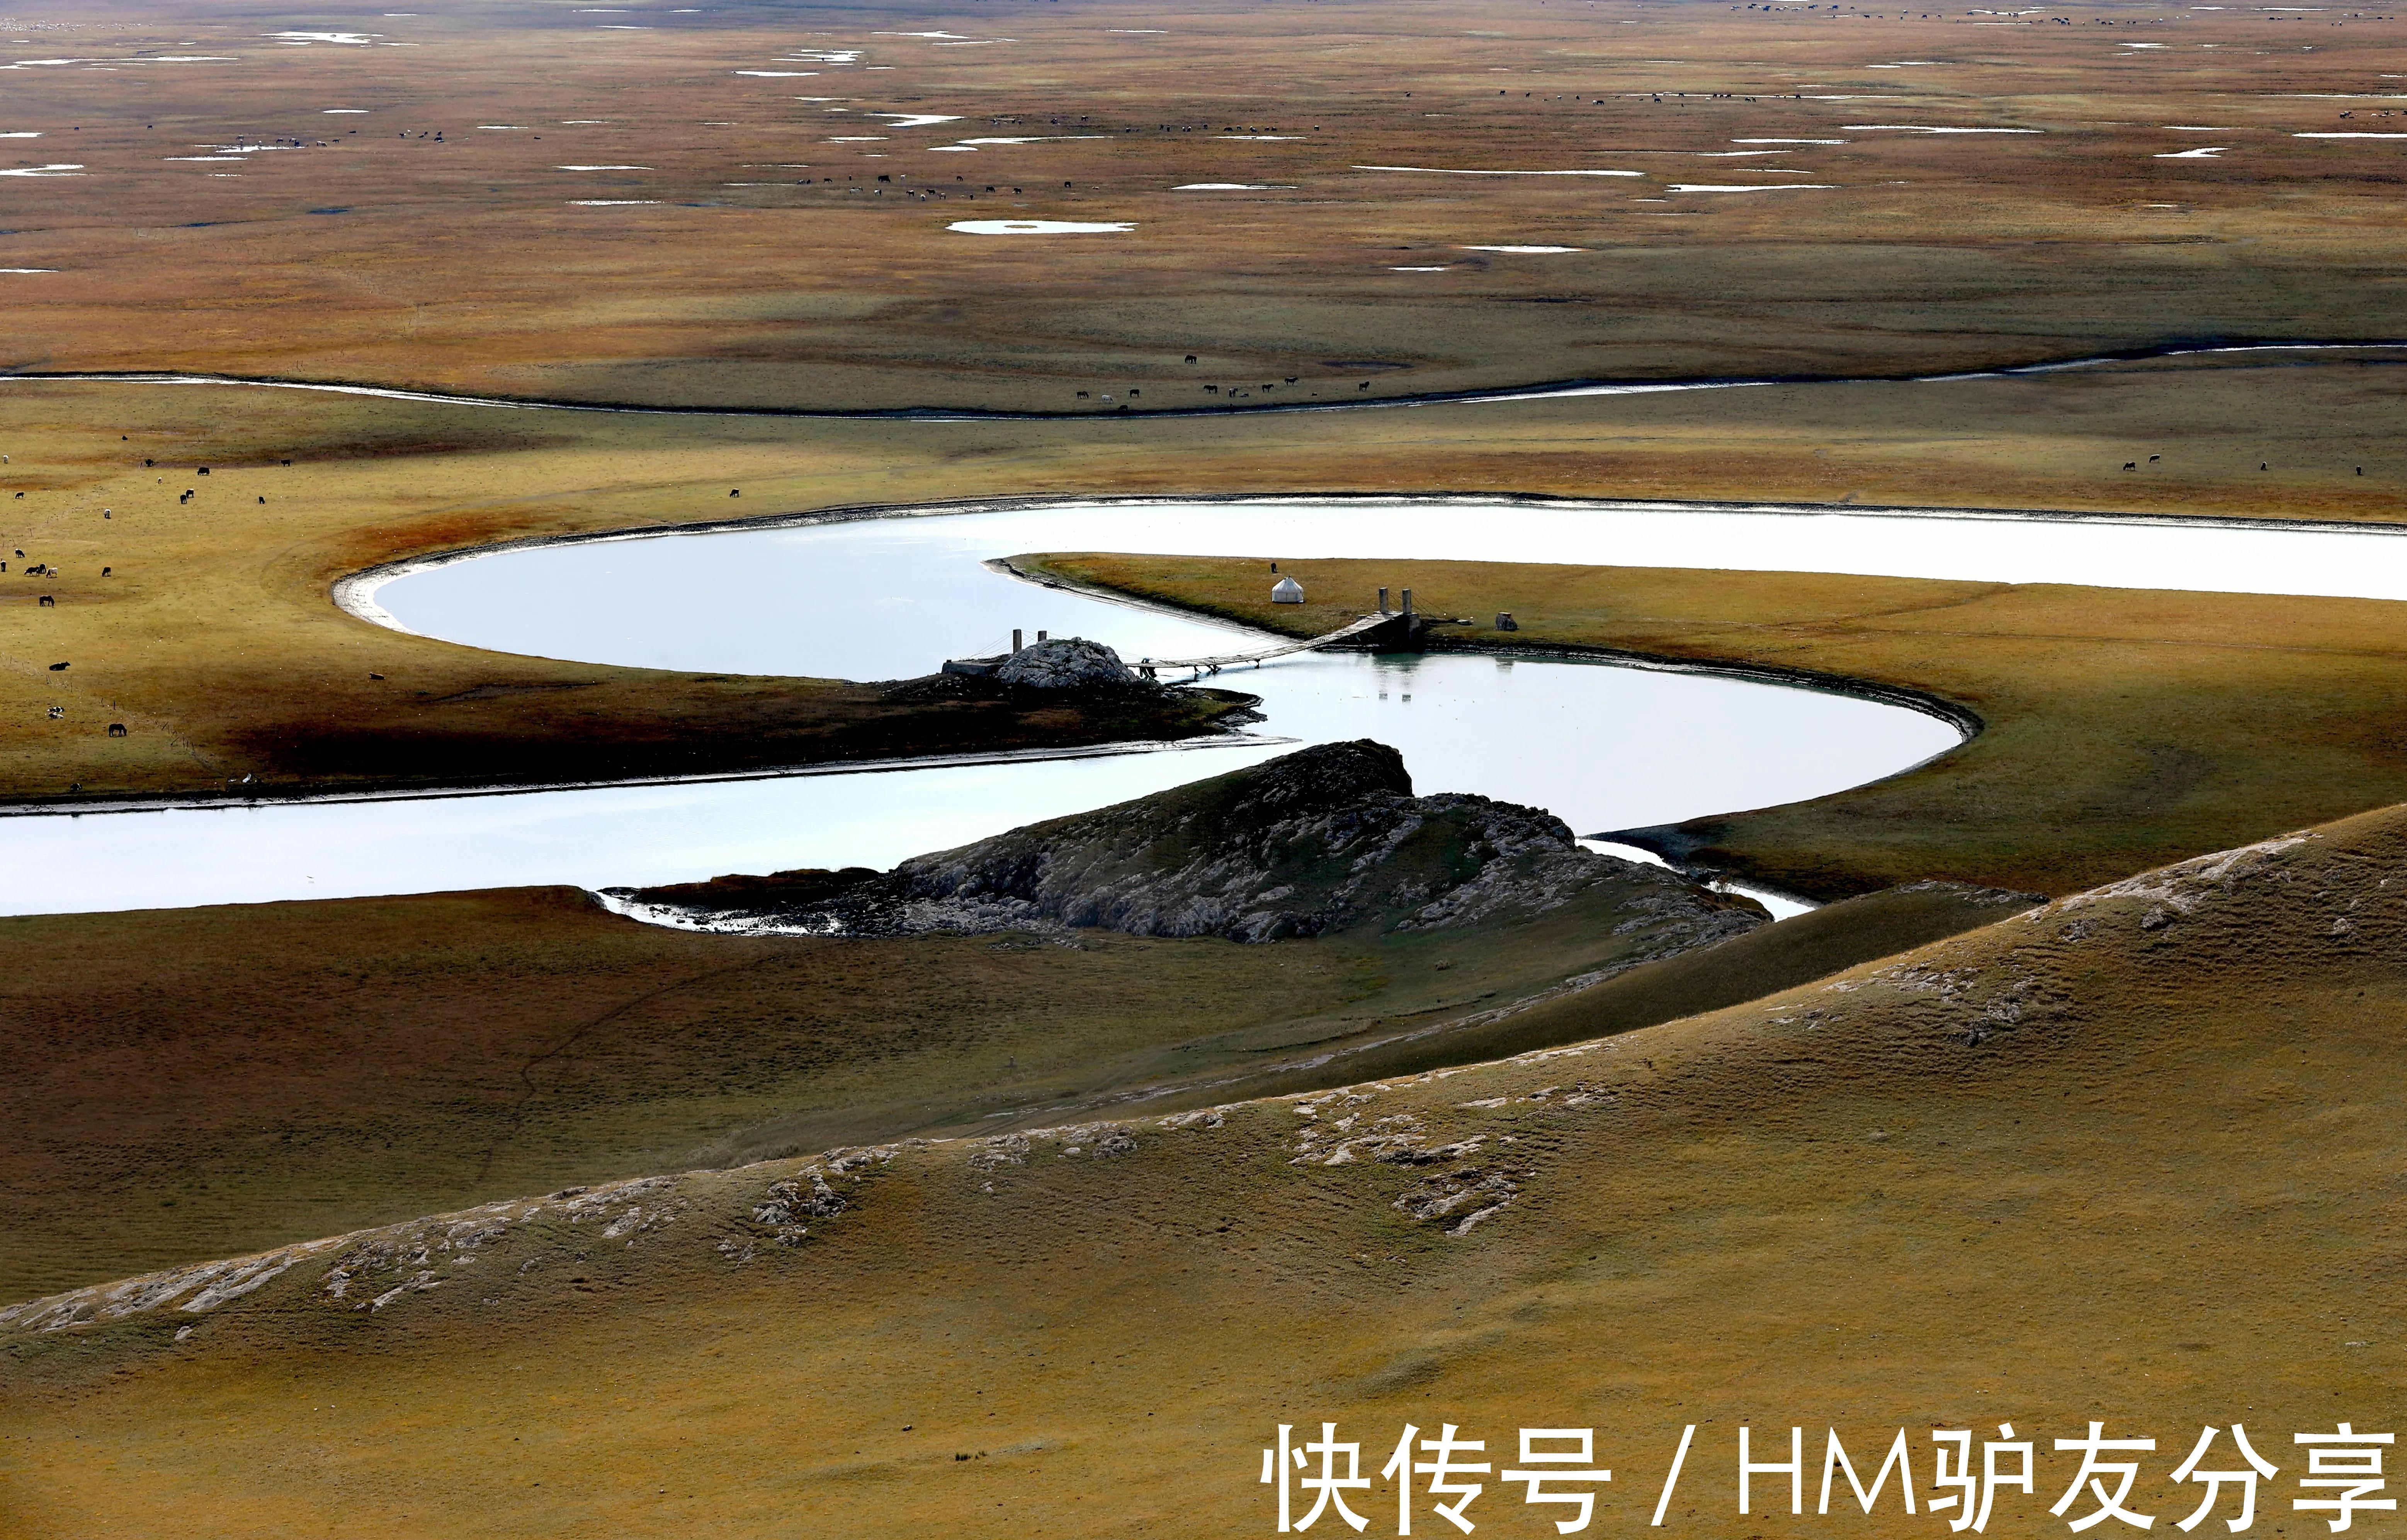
[{"x": 1322, "y": 840}]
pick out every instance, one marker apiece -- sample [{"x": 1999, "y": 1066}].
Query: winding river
[
  {"x": 1222, "y": 407},
  {"x": 1603, "y": 745}
]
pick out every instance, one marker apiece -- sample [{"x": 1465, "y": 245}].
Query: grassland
[
  {"x": 2130, "y": 1158},
  {"x": 2122, "y": 729},
  {"x": 711, "y": 270},
  {"x": 211, "y": 637},
  {"x": 724, "y": 204},
  {"x": 2133, "y": 1157},
  {"x": 221, "y": 1079}
]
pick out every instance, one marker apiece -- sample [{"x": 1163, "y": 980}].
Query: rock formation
[
  {"x": 1065, "y": 663},
  {"x": 1325, "y": 839}
]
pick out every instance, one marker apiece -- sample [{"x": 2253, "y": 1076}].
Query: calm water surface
[{"x": 1603, "y": 746}]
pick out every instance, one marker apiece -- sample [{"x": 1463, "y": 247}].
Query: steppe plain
[
  {"x": 2131, "y": 1155},
  {"x": 681, "y": 205}
]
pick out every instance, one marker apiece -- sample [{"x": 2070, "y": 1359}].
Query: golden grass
[
  {"x": 224, "y": 1078},
  {"x": 228, "y": 1078},
  {"x": 2131, "y": 1158},
  {"x": 2124, "y": 728},
  {"x": 214, "y": 643}
]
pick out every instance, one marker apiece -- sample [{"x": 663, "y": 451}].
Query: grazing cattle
[
  {"x": 57, "y": 667},
  {"x": 47, "y": 602},
  {"x": 2130, "y": 465},
  {"x": 116, "y": 730},
  {"x": 203, "y": 470},
  {"x": 103, "y": 572},
  {"x": 735, "y": 492},
  {"x": 263, "y": 502},
  {"x": 57, "y": 711}
]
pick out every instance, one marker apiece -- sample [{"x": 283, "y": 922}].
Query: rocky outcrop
[
  {"x": 1065, "y": 663},
  {"x": 1326, "y": 838}
]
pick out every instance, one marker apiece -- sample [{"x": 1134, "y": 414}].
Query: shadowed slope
[
  {"x": 2130, "y": 1156},
  {"x": 226, "y": 1078}
]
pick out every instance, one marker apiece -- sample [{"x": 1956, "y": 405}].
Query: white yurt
[{"x": 1287, "y": 591}]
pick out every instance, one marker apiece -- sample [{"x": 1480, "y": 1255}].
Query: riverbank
[
  {"x": 203, "y": 625},
  {"x": 2120, "y": 729}
]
